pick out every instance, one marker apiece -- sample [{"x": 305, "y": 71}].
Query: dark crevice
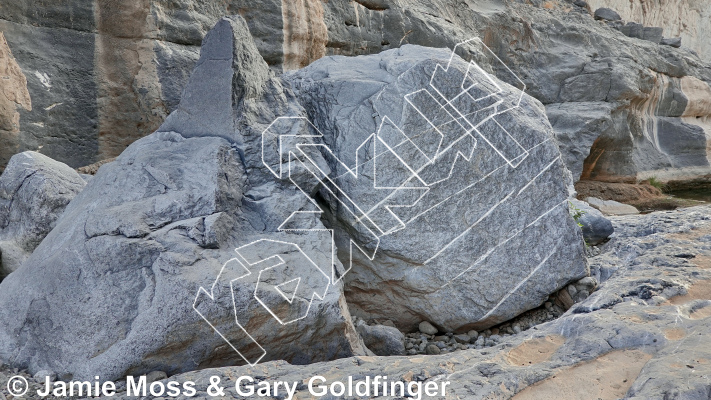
[{"x": 373, "y": 5}]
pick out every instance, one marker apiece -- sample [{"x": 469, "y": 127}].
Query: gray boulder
[
  {"x": 607, "y": 14},
  {"x": 178, "y": 242},
  {"x": 596, "y": 228},
  {"x": 673, "y": 42},
  {"x": 635, "y": 30},
  {"x": 427, "y": 328},
  {"x": 439, "y": 249},
  {"x": 652, "y": 34},
  {"x": 382, "y": 340},
  {"x": 34, "y": 191}
]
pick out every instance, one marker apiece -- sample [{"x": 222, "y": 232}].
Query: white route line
[
  {"x": 471, "y": 185},
  {"x": 491, "y": 250},
  {"x": 211, "y": 296},
  {"x": 491, "y": 210},
  {"x": 281, "y": 262},
  {"x": 303, "y": 138},
  {"x": 512, "y": 291},
  {"x": 539, "y": 174}
]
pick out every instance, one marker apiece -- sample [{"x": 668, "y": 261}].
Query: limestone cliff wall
[
  {"x": 690, "y": 19},
  {"x": 13, "y": 95},
  {"x": 101, "y": 74},
  {"x": 662, "y": 131}
]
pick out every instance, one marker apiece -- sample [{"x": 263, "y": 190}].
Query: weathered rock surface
[
  {"x": 154, "y": 234},
  {"x": 99, "y": 74},
  {"x": 34, "y": 191},
  {"x": 596, "y": 228},
  {"x": 688, "y": 19},
  {"x": 14, "y": 95},
  {"x": 125, "y": 64},
  {"x": 455, "y": 224},
  {"x": 642, "y": 335}
]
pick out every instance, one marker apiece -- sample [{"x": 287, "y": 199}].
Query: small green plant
[
  {"x": 576, "y": 213},
  {"x": 653, "y": 181}
]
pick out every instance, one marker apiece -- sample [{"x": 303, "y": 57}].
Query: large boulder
[
  {"x": 462, "y": 221},
  {"x": 34, "y": 191},
  {"x": 173, "y": 259}
]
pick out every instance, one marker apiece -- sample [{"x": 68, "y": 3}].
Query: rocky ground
[
  {"x": 643, "y": 195},
  {"x": 643, "y": 334},
  {"x": 476, "y": 255}
]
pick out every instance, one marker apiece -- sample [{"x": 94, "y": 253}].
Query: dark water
[{"x": 694, "y": 194}]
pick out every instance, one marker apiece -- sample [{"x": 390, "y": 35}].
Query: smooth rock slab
[{"x": 612, "y": 207}]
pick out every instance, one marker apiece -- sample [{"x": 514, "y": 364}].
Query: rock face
[
  {"x": 642, "y": 335},
  {"x": 103, "y": 74},
  {"x": 688, "y": 19},
  {"x": 446, "y": 214},
  {"x": 13, "y": 95},
  {"x": 151, "y": 243},
  {"x": 125, "y": 64},
  {"x": 34, "y": 191},
  {"x": 99, "y": 74}
]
